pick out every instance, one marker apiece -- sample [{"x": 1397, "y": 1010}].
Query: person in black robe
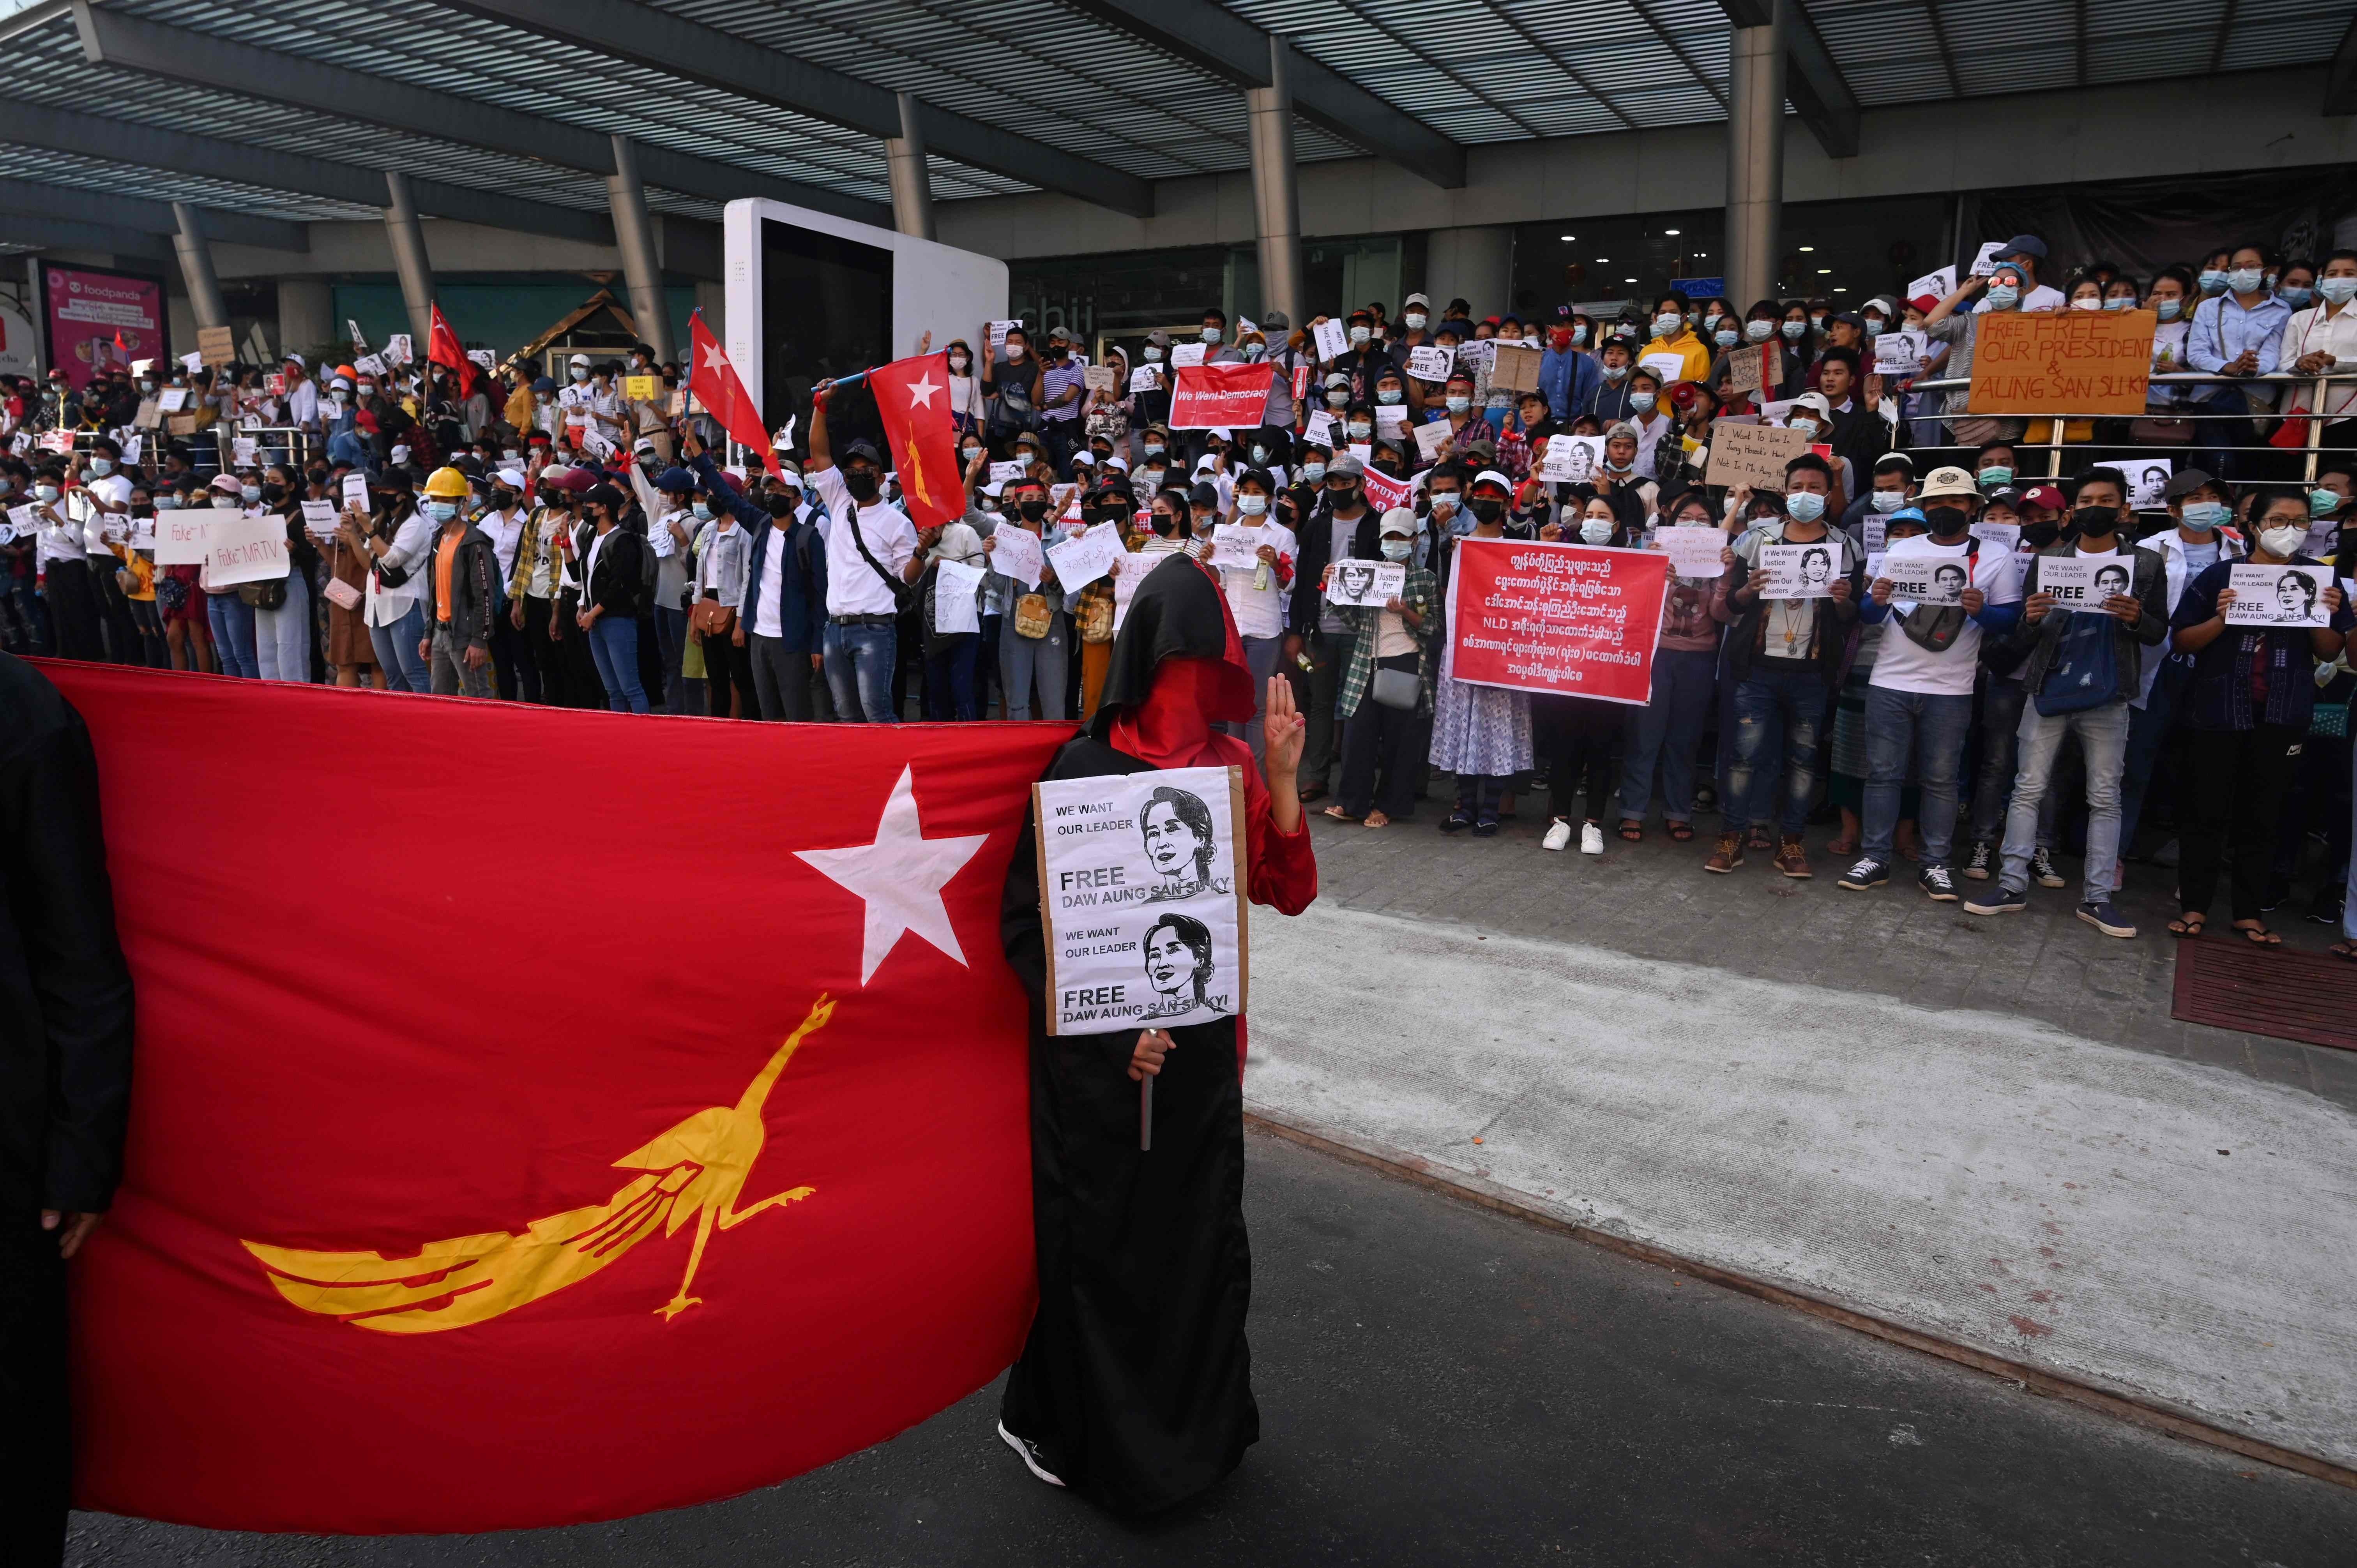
[
  {"x": 64, "y": 1085},
  {"x": 1134, "y": 1388}
]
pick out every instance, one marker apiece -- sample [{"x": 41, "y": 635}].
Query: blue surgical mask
[
  {"x": 2323, "y": 503},
  {"x": 1360, "y": 429},
  {"x": 1795, "y": 330},
  {"x": 168, "y": 503},
  {"x": 102, "y": 466},
  {"x": 1805, "y": 506},
  {"x": 703, "y": 511},
  {"x": 441, "y": 511},
  {"x": 1251, "y": 506},
  {"x": 2203, "y": 515},
  {"x": 1211, "y": 334},
  {"x": 1873, "y": 327},
  {"x": 2336, "y": 291},
  {"x": 1154, "y": 448},
  {"x": 1459, "y": 404},
  {"x": 45, "y": 493},
  {"x": 1153, "y": 355},
  {"x": 1666, "y": 324},
  {"x": 2119, "y": 302},
  {"x": 1641, "y": 401},
  {"x": 2003, "y": 296},
  {"x": 1255, "y": 352},
  {"x": 1759, "y": 331},
  {"x": 1390, "y": 396},
  {"x": 1886, "y": 500},
  {"x": 1725, "y": 337},
  {"x": 1615, "y": 372},
  {"x": 1313, "y": 472},
  {"x": 1595, "y": 531},
  {"x": 2294, "y": 296},
  {"x": 2168, "y": 309},
  {"x": 2245, "y": 280},
  {"x": 2213, "y": 280},
  {"x": 1396, "y": 549},
  {"x": 250, "y": 494},
  {"x": 1579, "y": 337}
]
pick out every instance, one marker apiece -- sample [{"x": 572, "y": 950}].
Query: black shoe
[
  {"x": 1976, "y": 865},
  {"x": 1936, "y": 881},
  {"x": 1455, "y": 822},
  {"x": 1867, "y": 873}
]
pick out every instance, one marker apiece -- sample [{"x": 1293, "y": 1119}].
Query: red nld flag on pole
[
  {"x": 481, "y": 1254},
  {"x": 1223, "y": 397},
  {"x": 442, "y": 349},
  {"x": 714, "y": 385},
  {"x": 913, "y": 398}
]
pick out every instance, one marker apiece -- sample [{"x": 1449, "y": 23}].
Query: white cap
[
  {"x": 1491, "y": 477},
  {"x": 296, "y": 359},
  {"x": 512, "y": 477},
  {"x": 1398, "y": 521},
  {"x": 580, "y": 360},
  {"x": 1086, "y": 456}
]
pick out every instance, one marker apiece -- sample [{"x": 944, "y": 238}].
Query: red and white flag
[
  {"x": 1219, "y": 397},
  {"x": 442, "y": 349},
  {"x": 1383, "y": 492},
  {"x": 912, "y": 397},
  {"x": 715, "y": 384}
]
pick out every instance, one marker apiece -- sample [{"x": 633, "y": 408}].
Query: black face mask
[
  {"x": 2039, "y": 535},
  {"x": 1489, "y": 508},
  {"x": 1946, "y": 520},
  {"x": 1165, "y": 525},
  {"x": 861, "y": 483},
  {"x": 1031, "y": 511},
  {"x": 273, "y": 494},
  {"x": 1341, "y": 497},
  {"x": 2097, "y": 521}
]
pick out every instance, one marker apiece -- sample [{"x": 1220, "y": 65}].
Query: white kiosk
[{"x": 812, "y": 295}]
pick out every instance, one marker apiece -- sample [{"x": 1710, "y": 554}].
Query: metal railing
[{"x": 2046, "y": 432}]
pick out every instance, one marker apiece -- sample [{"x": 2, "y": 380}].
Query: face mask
[
  {"x": 1255, "y": 352},
  {"x": 2245, "y": 280},
  {"x": 1251, "y": 506},
  {"x": 1459, "y": 404},
  {"x": 1211, "y": 334},
  {"x": 1616, "y": 372},
  {"x": 2086, "y": 305},
  {"x": 273, "y": 494},
  {"x": 1579, "y": 334},
  {"x": 45, "y": 492},
  {"x": 1337, "y": 398},
  {"x": 1389, "y": 397},
  {"x": 2003, "y": 295},
  {"x": 2039, "y": 535},
  {"x": 1886, "y": 500},
  {"x": 2294, "y": 296},
  {"x": 1313, "y": 472},
  {"x": 1805, "y": 506},
  {"x": 2202, "y": 517},
  {"x": 1260, "y": 458},
  {"x": 1153, "y": 355},
  {"x": 703, "y": 511},
  {"x": 441, "y": 511},
  {"x": 367, "y": 389},
  {"x": 2336, "y": 291},
  {"x": 1398, "y": 549},
  {"x": 102, "y": 466},
  {"x": 1712, "y": 319},
  {"x": 1032, "y": 510},
  {"x": 861, "y": 484},
  {"x": 579, "y": 375},
  {"x": 1641, "y": 401},
  {"x": 1759, "y": 331},
  {"x": 2212, "y": 280},
  {"x": 1015, "y": 353},
  {"x": 1873, "y": 327},
  {"x": 2097, "y": 521},
  {"x": 2323, "y": 503},
  {"x": 1359, "y": 335},
  {"x": 1416, "y": 321},
  {"x": 2119, "y": 302},
  {"x": 1489, "y": 508},
  {"x": 1153, "y": 478},
  {"x": 1946, "y": 520},
  {"x": 2282, "y": 541},
  {"x": 1667, "y": 324},
  {"x": 1995, "y": 476},
  {"x": 250, "y": 494},
  {"x": 2168, "y": 309},
  {"x": 1340, "y": 497},
  {"x": 1725, "y": 337},
  {"x": 1795, "y": 330},
  {"x": 957, "y": 364},
  {"x": 168, "y": 503},
  {"x": 1595, "y": 531},
  {"x": 1817, "y": 320},
  {"x": 1360, "y": 429},
  {"x": 971, "y": 453}
]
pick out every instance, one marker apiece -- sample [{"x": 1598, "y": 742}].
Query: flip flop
[
  {"x": 2187, "y": 926},
  {"x": 2258, "y": 935},
  {"x": 1339, "y": 814},
  {"x": 2343, "y": 950}
]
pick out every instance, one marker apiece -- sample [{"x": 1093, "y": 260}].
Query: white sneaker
[
  {"x": 1030, "y": 1461},
  {"x": 1591, "y": 839},
  {"x": 1558, "y": 834}
]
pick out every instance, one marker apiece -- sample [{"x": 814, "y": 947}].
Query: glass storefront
[{"x": 1120, "y": 297}]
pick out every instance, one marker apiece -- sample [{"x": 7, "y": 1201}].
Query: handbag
[
  {"x": 2086, "y": 669},
  {"x": 1032, "y": 617},
  {"x": 1095, "y": 614},
  {"x": 271, "y": 595},
  {"x": 712, "y": 618},
  {"x": 1399, "y": 689}
]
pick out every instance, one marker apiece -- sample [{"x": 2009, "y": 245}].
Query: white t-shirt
[
  {"x": 115, "y": 491},
  {"x": 1902, "y": 664},
  {"x": 1260, "y": 612},
  {"x": 506, "y": 532},
  {"x": 853, "y": 588}
]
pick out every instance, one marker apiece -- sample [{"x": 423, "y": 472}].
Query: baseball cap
[
  {"x": 1948, "y": 481},
  {"x": 2184, "y": 484},
  {"x": 1276, "y": 321},
  {"x": 1400, "y": 522},
  {"x": 1926, "y": 303},
  {"x": 1490, "y": 476},
  {"x": 2045, "y": 496},
  {"x": 2028, "y": 245},
  {"x": 512, "y": 477},
  {"x": 1416, "y": 299},
  {"x": 1346, "y": 464}
]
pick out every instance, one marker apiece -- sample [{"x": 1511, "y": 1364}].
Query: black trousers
[
  {"x": 2237, "y": 776},
  {"x": 115, "y": 611},
  {"x": 514, "y": 671},
  {"x": 581, "y": 686},
  {"x": 35, "y": 1440},
  {"x": 74, "y": 610},
  {"x": 728, "y": 668},
  {"x": 1575, "y": 738},
  {"x": 784, "y": 680},
  {"x": 1377, "y": 771}
]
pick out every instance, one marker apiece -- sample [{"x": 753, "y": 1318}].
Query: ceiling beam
[
  {"x": 149, "y": 146},
  {"x": 67, "y": 234},
  {"x": 1216, "y": 39},
  {"x": 75, "y": 204},
  {"x": 1814, "y": 84},
  {"x": 176, "y": 53},
  {"x": 2341, "y": 77},
  {"x": 628, "y": 30}
]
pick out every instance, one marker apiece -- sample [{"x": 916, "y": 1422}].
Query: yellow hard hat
[{"x": 446, "y": 484}]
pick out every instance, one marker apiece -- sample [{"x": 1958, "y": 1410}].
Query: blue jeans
[
  {"x": 1931, "y": 728},
  {"x": 1685, "y": 680},
  {"x": 282, "y": 644},
  {"x": 347, "y": 448},
  {"x": 1778, "y": 717},
  {"x": 1026, "y": 661},
  {"x": 396, "y": 652},
  {"x": 859, "y": 670},
  {"x": 2104, "y": 742},
  {"x": 614, "y": 645},
  {"x": 670, "y": 640},
  {"x": 232, "y": 624},
  {"x": 949, "y": 681}
]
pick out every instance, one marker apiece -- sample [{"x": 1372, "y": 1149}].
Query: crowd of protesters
[{"x": 573, "y": 545}]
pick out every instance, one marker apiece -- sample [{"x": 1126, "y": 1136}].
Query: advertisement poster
[
  {"x": 1575, "y": 620},
  {"x": 93, "y": 316}
]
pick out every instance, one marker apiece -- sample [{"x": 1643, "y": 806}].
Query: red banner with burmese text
[
  {"x": 1571, "y": 619},
  {"x": 542, "y": 1116}
]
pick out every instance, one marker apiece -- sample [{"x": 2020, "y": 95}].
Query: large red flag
[
  {"x": 442, "y": 349},
  {"x": 465, "y": 1196},
  {"x": 714, "y": 382},
  {"x": 913, "y": 398}
]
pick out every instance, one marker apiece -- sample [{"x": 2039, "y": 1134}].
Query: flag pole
[{"x": 1146, "y": 1113}]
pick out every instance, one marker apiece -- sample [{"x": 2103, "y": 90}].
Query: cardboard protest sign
[
  {"x": 1754, "y": 370},
  {"x": 1370, "y": 584},
  {"x": 1429, "y": 363},
  {"x": 244, "y": 550},
  {"x": 1333, "y": 339},
  {"x": 1016, "y": 553},
  {"x": 1693, "y": 550},
  {"x": 2278, "y": 596},
  {"x": 642, "y": 389},
  {"x": 1571, "y": 459},
  {"x": 150, "y": 415},
  {"x": 1939, "y": 580},
  {"x": 1568, "y": 618},
  {"x": 2083, "y": 582},
  {"x": 1209, "y": 397},
  {"x": 1142, "y": 898},
  {"x": 216, "y": 347},
  {"x": 1799, "y": 570},
  {"x": 1513, "y": 367},
  {"x": 1752, "y": 455},
  {"x": 955, "y": 585},
  {"x": 2056, "y": 362},
  {"x": 182, "y": 536},
  {"x": 1083, "y": 558},
  {"x": 1101, "y": 377}
]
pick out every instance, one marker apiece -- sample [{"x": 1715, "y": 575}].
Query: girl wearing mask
[
  {"x": 230, "y": 617},
  {"x": 1256, "y": 595},
  {"x": 1379, "y": 775},
  {"x": 136, "y": 578},
  {"x": 188, "y": 632},
  {"x": 1482, "y": 733},
  {"x": 1798, "y": 330},
  {"x": 1610, "y": 399},
  {"x": 2251, "y": 695},
  {"x": 2322, "y": 337},
  {"x": 281, "y": 609},
  {"x": 1666, "y": 733},
  {"x": 966, "y": 391},
  {"x": 1110, "y": 409},
  {"x": 1578, "y": 736},
  {"x": 1033, "y": 649}
]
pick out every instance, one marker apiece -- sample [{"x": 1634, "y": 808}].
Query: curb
[{"x": 1336, "y": 1144}]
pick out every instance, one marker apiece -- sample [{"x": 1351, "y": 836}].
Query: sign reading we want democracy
[{"x": 1572, "y": 619}]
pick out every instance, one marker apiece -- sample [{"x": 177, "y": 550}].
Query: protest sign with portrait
[
  {"x": 2278, "y": 596},
  {"x": 1799, "y": 570},
  {"x": 1939, "y": 580},
  {"x": 1370, "y": 584},
  {"x": 2083, "y": 582}
]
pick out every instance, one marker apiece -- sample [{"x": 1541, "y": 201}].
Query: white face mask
[
  {"x": 2086, "y": 305},
  {"x": 2282, "y": 542},
  {"x": 1153, "y": 355},
  {"x": 1595, "y": 531},
  {"x": 1416, "y": 321},
  {"x": 1251, "y": 506},
  {"x": 1015, "y": 353},
  {"x": 1359, "y": 335},
  {"x": 1397, "y": 549}
]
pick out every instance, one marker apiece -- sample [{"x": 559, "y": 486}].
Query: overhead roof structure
[{"x": 500, "y": 111}]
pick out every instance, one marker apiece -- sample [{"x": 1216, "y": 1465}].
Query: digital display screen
[{"x": 826, "y": 311}]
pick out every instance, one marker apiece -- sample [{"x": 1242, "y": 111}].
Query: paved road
[{"x": 1440, "y": 1385}]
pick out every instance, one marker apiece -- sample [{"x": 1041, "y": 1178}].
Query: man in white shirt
[
  {"x": 302, "y": 393},
  {"x": 104, "y": 506},
  {"x": 869, "y": 544},
  {"x": 1919, "y": 703},
  {"x": 1255, "y": 596},
  {"x": 65, "y": 571},
  {"x": 503, "y": 523}
]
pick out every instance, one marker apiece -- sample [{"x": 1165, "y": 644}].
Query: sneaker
[
  {"x": 1485, "y": 830},
  {"x": 2001, "y": 900},
  {"x": 1558, "y": 834},
  {"x": 2106, "y": 919},
  {"x": 1792, "y": 860},
  {"x": 1728, "y": 855},
  {"x": 1936, "y": 881},
  {"x": 1867, "y": 873},
  {"x": 1455, "y": 822},
  {"x": 2041, "y": 866},
  {"x": 1976, "y": 865},
  {"x": 1591, "y": 839},
  {"x": 1030, "y": 1453}
]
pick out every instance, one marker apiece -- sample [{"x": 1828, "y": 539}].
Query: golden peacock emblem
[{"x": 696, "y": 1171}]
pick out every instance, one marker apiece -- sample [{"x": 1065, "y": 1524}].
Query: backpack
[{"x": 2086, "y": 669}]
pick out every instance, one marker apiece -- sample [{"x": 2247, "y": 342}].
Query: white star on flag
[
  {"x": 899, "y": 877},
  {"x": 714, "y": 359},
  {"x": 920, "y": 394}
]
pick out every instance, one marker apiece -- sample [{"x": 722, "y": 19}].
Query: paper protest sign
[
  {"x": 1016, "y": 553},
  {"x": 1936, "y": 580},
  {"x": 1002, "y": 472},
  {"x": 397, "y": 350},
  {"x": 1694, "y": 551},
  {"x": 1083, "y": 558},
  {"x": 955, "y": 585},
  {"x": 1429, "y": 364},
  {"x": 1572, "y": 459},
  {"x": 368, "y": 365},
  {"x": 1101, "y": 377},
  {"x": 1364, "y": 451},
  {"x": 192, "y": 362},
  {"x": 143, "y": 533},
  {"x": 1752, "y": 455},
  {"x": 1939, "y": 284},
  {"x": 1668, "y": 367},
  {"x": 1391, "y": 418},
  {"x": 1430, "y": 437},
  {"x": 1514, "y": 368},
  {"x": 181, "y": 536},
  {"x": 998, "y": 331},
  {"x": 58, "y": 441},
  {"x": 356, "y": 492},
  {"x": 1144, "y": 379},
  {"x": 2278, "y": 596},
  {"x": 1877, "y": 529},
  {"x": 2147, "y": 480},
  {"x": 2004, "y": 538},
  {"x": 1798, "y": 571},
  {"x": 2076, "y": 363},
  {"x": 133, "y": 447},
  {"x": 216, "y": 346},
  {"x": 485, "y": 358},
  {"x": 1900, "y": 352},
  {"x": 1185, "y": 354},
  {"x": 319, "y": 518},
  {"x": 1984, "y": 265},
  {"x": 244, "y": 451},
  {"x": 1370, "y": 584},
  {"x": 1236, "y": 548},
  {"x": 24, "y": 521},
  {"x": 244, "y": 550},
  {"x": 172, "y": 400},
  {"x": 1333, "y": 338},
  {"x": 2082, "y": 581},
  {"x": 352, "y": 330},
  {"x": 1320, "y": 431},
  {"x": 1141, "y": 883},
  {"x": 1126, "y": 582},
  {"x": 1477, "y": 355}
]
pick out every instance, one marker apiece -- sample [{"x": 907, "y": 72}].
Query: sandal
[
  {"x": 1309, "y": 792},
  {"x": 2343, "y": 950},
  {"x": 1339, "y": 814},
  {"x": 1841, "y": 849},
  {"x": 2186, "y": 925},
  {"x": 1678, "y": 831},
  {"x": 1631, "y": 831},
  {"x": 1377, "y": 820},
  {"x": 1759, "y": 839},
  {"x": 2258, "y": 935}
]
